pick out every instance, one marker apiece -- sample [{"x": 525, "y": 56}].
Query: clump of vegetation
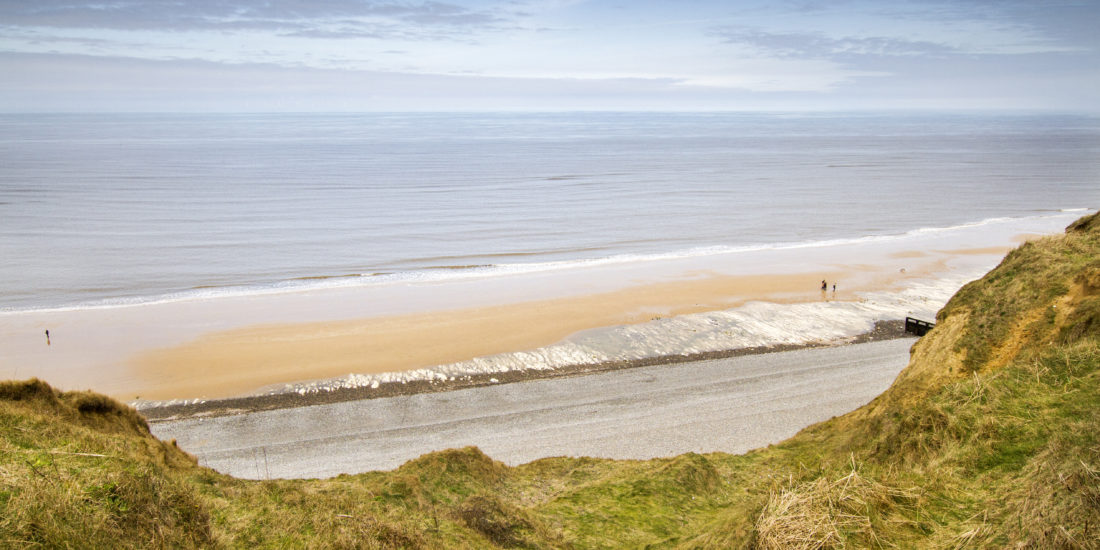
[
  {"x": 990, "y": 438},
  {"x": 828, "y": 514},
  {"x": 79, "y": 469}
]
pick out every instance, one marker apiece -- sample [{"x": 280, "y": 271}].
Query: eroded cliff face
[{"x": 1046, "y": 291}]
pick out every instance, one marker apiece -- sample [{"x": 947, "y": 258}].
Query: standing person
[
  {"x": 47, "y": 337},
  {"x": 834, "y": 288},
  {"x": 824, "y": 285}
]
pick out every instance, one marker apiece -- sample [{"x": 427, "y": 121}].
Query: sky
[{"x": 547, "y": 55}]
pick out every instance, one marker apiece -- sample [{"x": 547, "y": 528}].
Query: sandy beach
[
  {"x": 272, "y": 354},
  {"x": 229, "y": 347},
  {"x": 276, "y": 354},
  {"x": 223, "y": 256}
]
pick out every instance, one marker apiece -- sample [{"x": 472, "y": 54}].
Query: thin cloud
[
  {"x": 819, "y": 46},
  {"x": 378, "y": 54},
  {"x": 296, "y": 15},
  {"x": 343, "y": 33},
  {"x": 916, "y": 28}
]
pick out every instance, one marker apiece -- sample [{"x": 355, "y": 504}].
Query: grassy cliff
[{"x": 989, "y": 438}]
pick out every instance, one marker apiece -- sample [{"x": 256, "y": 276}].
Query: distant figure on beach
[
  {"x": 824, "y": 285},
  {"x": 47, "y": 337},
  {"x": 834, "y": 288}
]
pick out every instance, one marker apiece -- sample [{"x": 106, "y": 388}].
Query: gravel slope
[{"x": 732, "y": 405}]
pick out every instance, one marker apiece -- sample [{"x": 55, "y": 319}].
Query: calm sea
[{"x": 105, "y": 209}]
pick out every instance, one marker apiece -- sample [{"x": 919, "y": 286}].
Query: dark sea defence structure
[{"x": 917, "y": 326}]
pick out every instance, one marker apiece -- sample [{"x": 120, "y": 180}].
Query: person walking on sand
[
  {"x": 834, "y": 288},
  {"x": 47, "y": 337},
  {"x": 824, "y": 285}
]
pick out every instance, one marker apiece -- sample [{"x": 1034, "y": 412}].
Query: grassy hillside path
[{"x": 731, "y": 405}]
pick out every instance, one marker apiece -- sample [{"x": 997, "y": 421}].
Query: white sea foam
[
  {"x": 973, "y": 232},
  {"x": 755, "y": 324}
]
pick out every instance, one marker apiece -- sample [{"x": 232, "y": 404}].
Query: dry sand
[
  {"x": 241, "y": 361},
  {"x": 274, "y": 354},
  {"x": 235, "y": 346}
]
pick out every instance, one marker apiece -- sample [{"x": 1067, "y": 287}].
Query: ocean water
[{"x": 104, "y": 210}]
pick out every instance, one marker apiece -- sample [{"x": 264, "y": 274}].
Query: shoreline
[
  {"x": 429, "y": 334},
  {"x": 268, "y": 356},
  {"x": 164, "y": 412},
  {"x": 694, "y": 312}
]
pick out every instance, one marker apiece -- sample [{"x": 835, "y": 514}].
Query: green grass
[
  {"x": 1024, "y": 290},
  {"x": 1004, "y": 452}
]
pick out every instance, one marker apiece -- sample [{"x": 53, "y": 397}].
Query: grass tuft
[
  {"x": 28, "y": 390},
  {"x": 823, "y": 514},
  {"x": 502, "y": 523}
]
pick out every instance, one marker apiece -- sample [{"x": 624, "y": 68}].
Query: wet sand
[
  {"x": 274, "y": 354},
  {"x": 238, "y": 346}
]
